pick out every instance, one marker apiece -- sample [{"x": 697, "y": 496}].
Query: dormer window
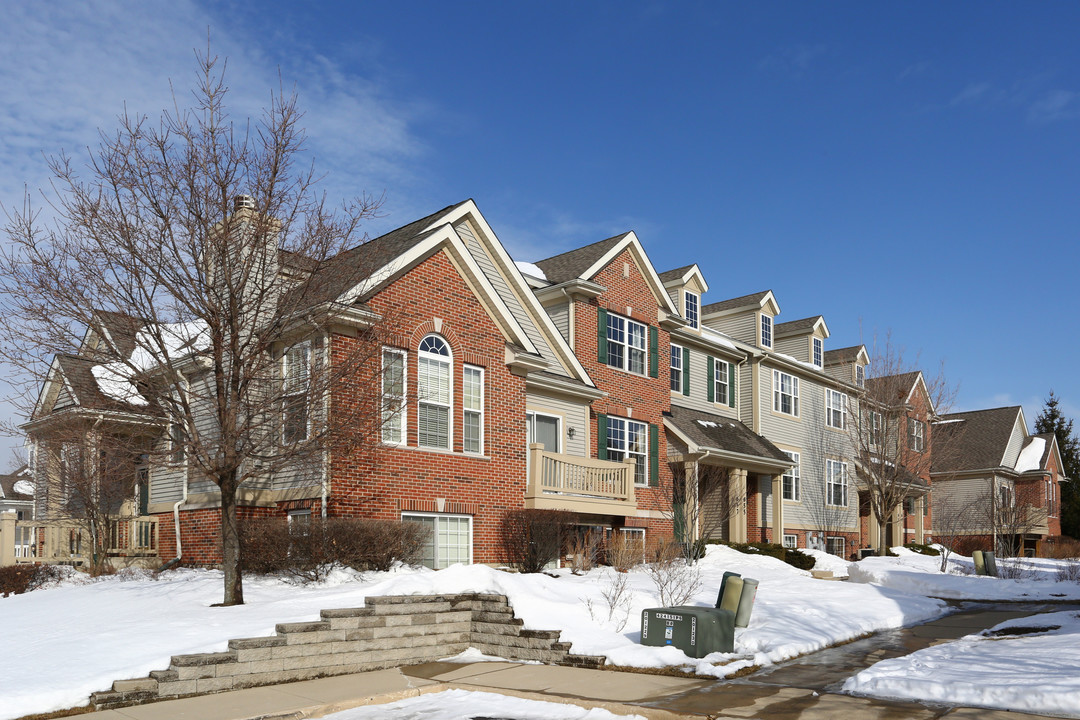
[
  {"x": 691, "y": 304},
  {"x": 766, "y": 331},
  {"x": 818, "y": 351},
  {"x": 860, "y": 375}
]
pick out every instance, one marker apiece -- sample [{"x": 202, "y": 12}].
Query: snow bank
[
  {"x": 838, "y": 566},
  {"x": 1036, "y": 673}
]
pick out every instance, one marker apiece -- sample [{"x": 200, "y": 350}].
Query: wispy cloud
[
  {"x": 914, "y": 70},
  {"x": 1031, "y": 95},
  {"x": 975, "y": 93},
  {"x": 1055, "y": 105},
  {"x": 534, "y": 232},
  {"x": 794, "y": 61}
]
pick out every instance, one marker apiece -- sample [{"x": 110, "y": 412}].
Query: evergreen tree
[{"x": 1051, "y": 419}]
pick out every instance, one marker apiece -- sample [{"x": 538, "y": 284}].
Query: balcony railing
[
  {"x": 568, "y": 482},
  {"x": 68, "y": 541}
]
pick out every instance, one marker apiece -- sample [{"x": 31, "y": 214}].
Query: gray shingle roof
[
  {"x": 7, "y": 485},
  {"x": 751, "y": 300},
  {"x": 122, "y": 329},
  {"x": 977, "y": 442},
  {"x": 840, "y": 355},
  {"x": 675, "y": 274},
  {"x": 796, "y": 326},
  {"x": 901, "y": 381},
  {"x": 77, "y": 371},
  {"x": 714, "y": 431},
  {"x": 571, "y": 265}
]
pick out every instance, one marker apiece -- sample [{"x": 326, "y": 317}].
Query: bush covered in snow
[
  {"x": 17, "y": 579},
  {"x": 795, "y": 558}
]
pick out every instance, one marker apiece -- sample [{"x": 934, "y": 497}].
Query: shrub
[
  {"x": 1060, "y": 547},
  {"x": 676, "y": 580},
  {"x": 18, "y": 579},
  {"x": 308, "y": 553},
  {"x": 624, "y": 552},
  {"x": 923, "y": 549},
  {"x": 533, "y": 538},
  {"x": 795, "y": 558}
]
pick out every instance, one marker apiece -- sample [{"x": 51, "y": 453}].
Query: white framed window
[
  {"x": 299, "y": 522},
  {"x": 434, "y": 393},
  {"x": 676, "y": 369},
  {"x": 836, "y": 483},
  {"x": 472, "y": 421},
  {"x": 450, "y": 541},
  {"x": 818, "y": 351},
  {"x": 296, "y": 379},
  {"x": 791, "y": 542},
  {"x": 766, "y": 331},
  {"x": 546, "y": 430},
  {"x": 791, "y": 481},
  {"x": 177, "y": 444},
  {"x": 629, "y": 438},
  {"x": 394, "y": 411},
  {"x": 721, "y": 376},
  {"x": 860, "y": 375},
  {"x": 785, "y": 393},
  {"x": 835, "y": 409},
  {"x": 876, "y": 426},
  {"x": 626, "y": 344},
  {"x": 691, "y": 307},
  {"x": 836, "y": 546},
  {"x": 916, "y": 435}
]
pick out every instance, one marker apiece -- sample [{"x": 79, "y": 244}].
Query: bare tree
[
  {"x": 700, "y": 504},
  {"x": 212, "y": 239},
  {"x": 1008, "y": 516},
  {"x": 954, "y": 519}
]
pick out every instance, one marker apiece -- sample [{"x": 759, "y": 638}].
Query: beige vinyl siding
[
  {"x": 741, "y": 326},
  {"x": 844, "y": 372},
  {"x": 959, "y": 493},
  {"x": 699, "y": 392},
  {"x": 166, "y": 481},
  {"x": 1016, "y": 443},
  {"x": 499, "y": 283},
  {"x": 797, "y": 346},
  {"x": 745, "y": 381},
  {"x": 560, "y": 315},
  {"x": 574, "y": 416}
]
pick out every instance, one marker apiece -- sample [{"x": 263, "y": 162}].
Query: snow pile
[
  {"x": 26, "y": 487},
  {"x": 457, "y": 704},
  {"x": 827, "y": 561},
  {"x": 171, "y": 342},
  {"x": 112, "y": 380},
  {"x": 528, "y": 268},
  {"x": 131, "y": 624},
  {"x": 1035, "y": 673},
  {"x": 1031, "y": 456},
  {"x": 915, "y": 573}
]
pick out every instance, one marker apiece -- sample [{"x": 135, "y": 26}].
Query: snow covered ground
[
  {"x": 1037, "y": 672},
  {"x": 457, "y": 704},
  {"x": 92, "y": 632}
]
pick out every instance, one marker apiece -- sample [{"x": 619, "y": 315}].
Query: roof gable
[
  {"x": 815, "y": 325},
  {"x": 764, "y": 300},
  {"x": 975, "y": 440},
  {"x": 683, "y": 276}
]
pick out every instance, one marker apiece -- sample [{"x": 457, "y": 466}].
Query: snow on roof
[
  {"x": 26, "y": 487},
  {"x": 529, "y": 269},
  {"x": 812, "y": 366},
  {"x": 112, "y": 381},
  {"x": 719, "y": 337},
  {"x": 707, "y": 423},
  {"x": 1031, "y": 456},
  {"x": 179, "y": 340}
]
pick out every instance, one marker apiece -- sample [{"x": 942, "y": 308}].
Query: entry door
[{"x": 546, "y": 430}]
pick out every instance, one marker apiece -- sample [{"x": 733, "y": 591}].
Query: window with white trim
[
  {"x": 835, "y": 409},
  {"x": 916, "y": 435},
  {"x": 472, "y": 421},
  {"x": 434, "y": 393},
  {"x": 676, "y": 369},
  {"x": 691, "y": 305},
  {"x": 177, "y": 443},
  {"x": 836, "y": 483},
  {"x": 876, "y": 427},
  {"x": 791, "y": 542},
  {"x": 626, "y": 344},
  {"x": 721, "y": 377},
  {"x": 766, "y": 331},
  {"x": 818, "y": 352},
  {"x": 629, "y": 438},
  {"x": 790, "y": 480},
  {"x": 836, "y": 546},
  {"x": 296, "y": 379},
  {"x": 299, "y": 522},
  {"x": 450, "y": 541},
  {"x": 785, "y": 393},
  {"x": 860, "y": 375},
  {"x": 393, "y": 401}
]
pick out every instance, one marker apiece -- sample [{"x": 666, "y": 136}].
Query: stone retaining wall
[{"x": 389, "y": 632}]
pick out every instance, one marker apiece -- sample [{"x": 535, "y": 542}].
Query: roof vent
[{"x": 243, "y": 202}]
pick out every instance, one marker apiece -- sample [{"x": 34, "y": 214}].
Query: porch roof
[{"x": 727, "y": 435}]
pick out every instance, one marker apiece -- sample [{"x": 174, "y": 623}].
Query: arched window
[{"x": 434, "y": 393}]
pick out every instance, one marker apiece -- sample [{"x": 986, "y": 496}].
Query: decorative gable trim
[{"x": 630, "y": 242}]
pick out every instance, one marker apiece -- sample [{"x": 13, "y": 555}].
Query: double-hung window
[
  {"x": 818, "y": 351},
  {"x": 393, "y": 396},
  {"x": 629, "y": 439},
  {"x": 860, "y": 375},
  {"x": 625, "y": 344},
  {"x": 450, "y": 540},
  {"x": 836, "y": 483},
  {"x": 785, "y": 393},
  {"x": 676, "y": 369},
  {"x": 722, "y": 379},
  {"x": 766, "y": 331},
  {"x": 835, "y": 409},
  {"x": 296, "y": 378},
  {"x": 433, "y": 391},
  {"x": 472, "y": 430},
  {"x": 691, "y": 303},
  {"x": 835, "y": 546},
  {"x": 916, "y": 435},
  {"x": 790, "y": 480}
]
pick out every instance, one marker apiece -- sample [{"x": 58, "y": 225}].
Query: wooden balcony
[
  {"x": 67, "y": 542},
  {"x": 579, "y": 484}
]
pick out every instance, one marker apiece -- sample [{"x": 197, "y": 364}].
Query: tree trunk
[{"x": 230, "y": 542}]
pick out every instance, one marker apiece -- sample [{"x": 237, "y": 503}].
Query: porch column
[
  {"x": 693, "y": 511},
  {"x": 737, "y": 503},
  {"x": 7, "y": 538},
  {"x": 898, "y": 527},
  {"x": 874, "y": 528},
  {"x": 778, "y": 509},
  {"x": 920, "y": 536}
]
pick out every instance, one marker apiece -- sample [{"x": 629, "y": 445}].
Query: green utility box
[{"x": 697, "y": 631}]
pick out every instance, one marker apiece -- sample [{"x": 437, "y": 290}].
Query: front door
[{"x": 546, "y": 430}]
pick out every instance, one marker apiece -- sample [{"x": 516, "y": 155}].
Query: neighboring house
[
  {"x": 17, "y": 494},
  {"x": 1004, "y": 481}
]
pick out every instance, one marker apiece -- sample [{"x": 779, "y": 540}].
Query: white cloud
[{"x": 1055, "y": 105}]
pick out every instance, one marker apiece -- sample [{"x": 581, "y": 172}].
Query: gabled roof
[
  {"x": 974, "y": 440},
  {"x": 848, "y": 354},
  {"x": 121, "y": 330},
  {"x": 575, "y": 263},
  {"x": 714, "y": 432},
  {"x": 681, "y": 276},
  {"x": 755, "y": 300},
  {"x": 804, "y": 326},
  {"x": 7, "y": 486}
]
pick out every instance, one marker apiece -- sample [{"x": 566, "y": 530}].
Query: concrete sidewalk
[{"x": 315, "y": 698}]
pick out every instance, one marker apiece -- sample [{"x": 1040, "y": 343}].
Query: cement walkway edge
[{"x": 316, "y": 698}]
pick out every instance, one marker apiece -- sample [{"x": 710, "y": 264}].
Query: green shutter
[
  {"x": 601, "y": 435},
  {"x": 710, "y": 385},
  {"x": 686, "y": 372},
  {"x": 731, "y": 385},
  {"x": 654, "y": 455},
  {"x": 654, "y": 352},
  {"x": 601, "y": 335}
]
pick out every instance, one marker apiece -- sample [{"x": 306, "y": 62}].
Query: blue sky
[{"x": 903, "y": 168}]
